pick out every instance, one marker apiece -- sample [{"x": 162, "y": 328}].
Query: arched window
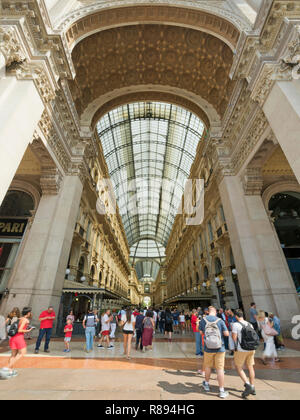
[
  {"x": 17, "y": 204},
  {"x": 205, "y": 272},
  {"x": 218, "y": 266}
]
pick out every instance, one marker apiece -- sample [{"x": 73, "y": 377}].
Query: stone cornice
[{"x": 218, "y": 8}]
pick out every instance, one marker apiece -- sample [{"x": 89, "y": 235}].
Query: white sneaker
[
  {"x": 205, "y": 386},
  {"x": 224, "y": 394}
]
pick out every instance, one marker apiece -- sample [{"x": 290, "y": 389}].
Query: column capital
[
  {"x": 10, "y": 46},
  {"x": 252, "y": 181}
]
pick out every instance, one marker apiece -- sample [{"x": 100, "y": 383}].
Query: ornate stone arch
[
  {"x": 277, "y": 188},
  {"x": 87, "y": 21}
]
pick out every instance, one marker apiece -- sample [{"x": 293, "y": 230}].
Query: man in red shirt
[{"x": 46, "y": 318}]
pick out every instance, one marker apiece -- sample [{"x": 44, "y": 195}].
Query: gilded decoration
[{"x": 155, "y": 54}]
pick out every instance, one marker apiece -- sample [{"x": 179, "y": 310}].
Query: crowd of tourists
[{"x": 215, "y": 331}]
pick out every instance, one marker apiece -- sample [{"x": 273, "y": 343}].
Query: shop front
[
  {"x": 79, "y": 298},
  {"x": 15, "y": 213}
]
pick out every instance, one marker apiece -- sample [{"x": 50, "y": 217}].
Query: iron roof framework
[{"x": 149, "y": 148}]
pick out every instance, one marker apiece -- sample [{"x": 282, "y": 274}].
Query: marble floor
[{"x": 169, "y": 372}]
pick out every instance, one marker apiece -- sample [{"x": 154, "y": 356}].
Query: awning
[
  {"x": 189, "y": 298},
  {"x": 74, "y": 287}
]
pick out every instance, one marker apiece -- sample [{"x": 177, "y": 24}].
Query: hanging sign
[{"x": 12, "y": 228}]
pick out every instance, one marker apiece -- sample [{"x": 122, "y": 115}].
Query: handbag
[{"x": 270, "y": 331}]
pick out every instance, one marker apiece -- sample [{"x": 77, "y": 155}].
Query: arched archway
[{"x": 284, "y": 208}]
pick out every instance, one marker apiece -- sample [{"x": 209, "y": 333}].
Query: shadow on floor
[{"x": 191, "y": 388}]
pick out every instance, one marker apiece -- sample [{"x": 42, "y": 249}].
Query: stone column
[
  {"x": 39, "y": 275},
  {"x": 264, "y": 276},
  {"x": 20, "y": 111},
  {"x": 282, "y": 109}
]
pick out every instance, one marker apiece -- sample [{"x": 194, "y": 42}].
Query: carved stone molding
[
  {"x": 253, "y": 181},
  {"x": 54, "y": 141},
  {"x": 10, "y": 46},
  {"x": 251, "y": 137},
  {"x": 79, "y": 168},
  {"x": 190, "y": 11},
  {"x": 51, "y": 177}
]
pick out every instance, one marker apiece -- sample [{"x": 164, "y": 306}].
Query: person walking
[
  {"x": 128, "y": 324},
  {"x": 71, "y": 317},
  {"x": 279, "y": 342},
  {"x": 182, "y": 322},
  {"x": 161, "y": 321},
  {"x": 139, "y": 326},
  {"x": 113, "y": 324},
  {"x": 68, "y": 330},
  {"x": 176, "y": 314},
  {"x": 46, "y": 319},
  {"x": 169, "y": 321},
  {"x": 268, "y": 334},
  {"x": 253, "y": 316},
  {"x": 17, "y": 343},
  {"x": 12, "y": 317},
  {"x": 198, "y": 339},
  {"x": 89, "y": 324},
  {"x": 230, "y": 320},
  {"x": 105, "y": 330},
  {"x": 246, "y": 342},
  {"x": 148, "y": 330},
  {"x": 214, "y": 330},
  {"x": 188, "y": 321}
]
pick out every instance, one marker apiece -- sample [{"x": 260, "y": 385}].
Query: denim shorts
[{"x": 68, "y": 339}]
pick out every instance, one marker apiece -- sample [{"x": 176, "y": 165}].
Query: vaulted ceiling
[{"x": 142, "y": 55}]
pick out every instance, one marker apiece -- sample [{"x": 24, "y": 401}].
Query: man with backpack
[
  {"x": 246, "y": 342},
  {"x": 214, "y": 330}
]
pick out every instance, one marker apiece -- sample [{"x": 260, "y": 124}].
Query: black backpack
[
  {"x": 250, "y": 339},
  {"x": 169, "y": 318},
  {"x": 14, "y": 328}
]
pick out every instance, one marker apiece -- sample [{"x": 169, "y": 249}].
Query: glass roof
[
  {"x": 147, "y": 248},
  {"x": 149, "y": 148},
  {"x": 147, "y": 270}
]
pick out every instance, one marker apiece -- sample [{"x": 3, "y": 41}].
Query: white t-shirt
[
  {"x": 154, "y": 316},
  {"x": 181, "y": 318},
  {"x": 128, "y": 326},
  {"x": 105, "y": 323},
  {"x": 237, "y": 329}
]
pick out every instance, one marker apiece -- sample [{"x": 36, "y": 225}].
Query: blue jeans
[
  {"x": 198, "y": 339},
  {"x": 48, "y": 332},
  {"x": 162, "y": 326},
  {"x": 90, "y": 333}
]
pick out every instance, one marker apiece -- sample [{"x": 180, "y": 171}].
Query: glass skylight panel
[{"x": 149, "y": 141}]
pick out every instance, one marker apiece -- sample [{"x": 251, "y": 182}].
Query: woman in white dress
[{"x": 266, "y": 327}]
